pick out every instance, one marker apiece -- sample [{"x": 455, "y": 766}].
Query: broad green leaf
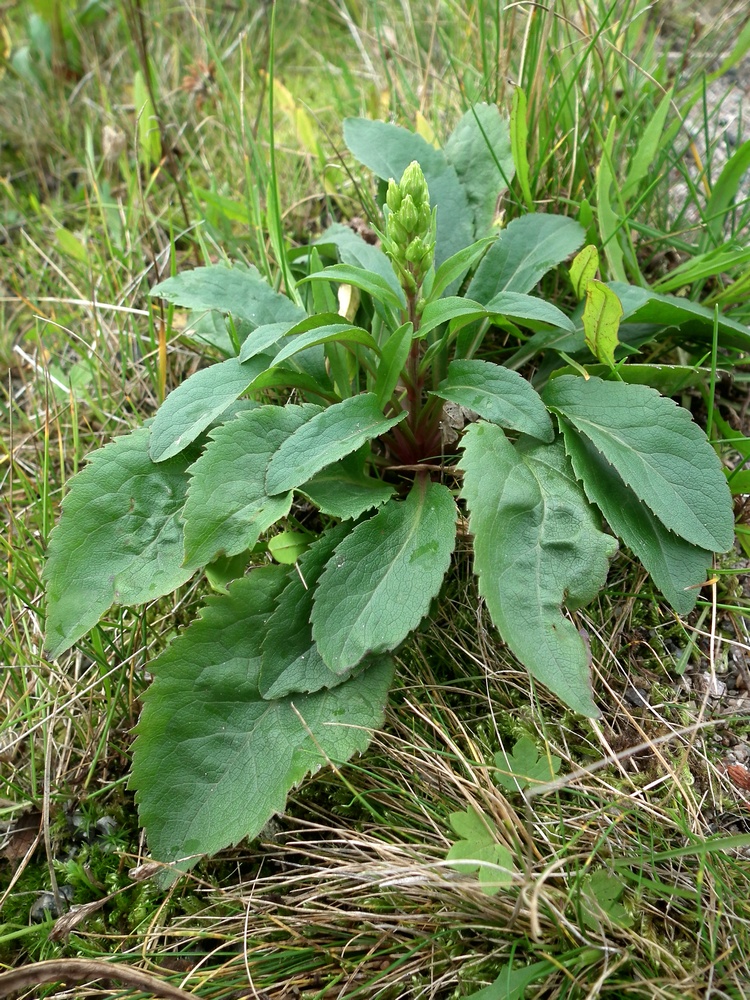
[
  {"x": 523, "y": 253},
  {"x": 479, "y": 848},
  {"x": 536, "y": 545},
  {"x": 511, "y": 983},
  {"x": 393, "y": 356},
  {"x": 214, "y": 761},
  {"x": 649, "y": 144},
  {"x": 528, "y": 310},
  {"x": 367, "y": 281},
  {"x": 329, "y": 436},
  {"x": 354, "y": 250},
  {"x": 457, "y": 265},
  {"x": 290, "y": 660},
  {"x": 609, "y": 222},
  {"x": 657, "y": 450},
  {"x": 388, "y": 150},
  {"x": 583, "y": 269},
  {"x": 724, "y": 193},
  {"x": 602, "y": 313},
  {"x": 288, "y": 546},
  {"x": 227, "y": 507},
  {"x": 669, "y": 312},
  {"x": 525, "y": 766},
  {"x": 519, "y": 134},
  {"x": 343, "y": 490},
  {"x": 191, "y": 407},
  {"x": 498, "y": 395},
  {"x": 479, "y": 150},
  {"x": 677, "y": 568},
  {"x": 379, "y": 583},
  {"x": 343, "y": 333},
  {"x": 234, "y": 290},
  {"x": 119, "y": 539},
  {"x": 444, "y": 310}
]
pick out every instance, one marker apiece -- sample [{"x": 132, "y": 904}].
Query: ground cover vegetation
[{"x": 580, "y": 836}]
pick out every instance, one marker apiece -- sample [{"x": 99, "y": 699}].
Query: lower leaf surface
[{"x": 213, "y": 760}]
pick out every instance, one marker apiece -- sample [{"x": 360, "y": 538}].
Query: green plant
[{"x": 288, "y": 666}]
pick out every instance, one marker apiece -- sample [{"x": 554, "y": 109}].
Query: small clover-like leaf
[
  {"x": 524, "y": 766},
  {"x": 479, "y": 848},
  {"x": 601, "y": 896}
]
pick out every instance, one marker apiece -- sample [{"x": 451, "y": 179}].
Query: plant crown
[{"x": 320, "y": 473}]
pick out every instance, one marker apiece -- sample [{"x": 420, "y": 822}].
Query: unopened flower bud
[
  {"x": 414, "y": 184},
  {"x": 408, "y": 215},
  {"x": 393, "y": 196}
]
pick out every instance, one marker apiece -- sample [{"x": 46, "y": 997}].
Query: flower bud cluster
[{"x": 410, "y": 228}]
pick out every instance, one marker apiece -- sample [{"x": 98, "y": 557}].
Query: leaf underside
[
  {"x": 536, "y": 545},
  {"x": 213, "y": 760}
]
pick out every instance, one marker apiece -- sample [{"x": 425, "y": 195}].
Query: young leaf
[
  {"x": 457, "y": 265},
  {"x": 243, "y": 293},
  {"x": 583, "y": 269},
  {"x": 329, "y": 436},
  {"x": 525, "y": 766},
  {"x": 479, "y": 149},
  {"x": 657, "y": 450},
  {"x": 227, "y": 507},
  {"x": 373, "y": 284},
  {"x": 523, "y": 253},
  {"x": 119, "y": 540},
  {"x": 601, "y": 321},
  {"x": 354, "y": 250},
  {"x": 479, "y": 848},
  {"x": 290, "y": 660},
  {"x": 288, "y": 546},
  {"x": 677, "y": 568},
  {"x": 536, "y": 544},
  {"x": 191, "y": 407},
  {"x": 213, "y": 760},
  {"x": 498, "y": 395},
  {"x": 378, "y": 585},
  {"x": 344, "y": 490},
  {"x": 343, "y": 333},
  {"x": 393, "y": 357}
]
